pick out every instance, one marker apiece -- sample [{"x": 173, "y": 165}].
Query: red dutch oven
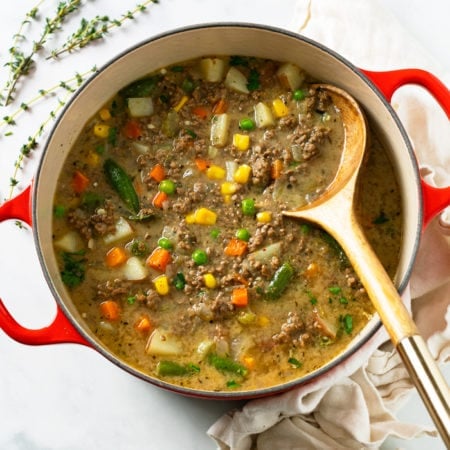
[{"x": 373, "y": 91}]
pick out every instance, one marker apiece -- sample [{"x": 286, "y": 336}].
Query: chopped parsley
[
  {"x": 295, "y": 362},
  {"x": 74, "y": 269},
  {"x": 253, "y": 80},
  {"x": 382, "y": 218},
  {"x": 347, "y": 323}
]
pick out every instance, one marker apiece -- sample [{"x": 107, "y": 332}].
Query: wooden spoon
[{"x": 334, "y": 211}]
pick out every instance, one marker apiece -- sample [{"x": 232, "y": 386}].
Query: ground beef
[
  {"x": 101, "y": 222},
  {"x": 292, "y": 331},
  {"x": 309, "y": 140},
  {"x": 113, "y": 289}
]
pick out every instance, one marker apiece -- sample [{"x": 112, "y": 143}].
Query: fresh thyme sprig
[
  {"x": 16, "y": 55},
  {"x": 21, "y": 64},
  {"x": 69, "y": 85},
  {"x": 96, "y": 28}
]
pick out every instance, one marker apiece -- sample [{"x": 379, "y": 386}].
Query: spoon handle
[
  {"x": 421, "y": 366},
  {"x": 337, "y": 217},
  {"x": 428, "y": 381}
]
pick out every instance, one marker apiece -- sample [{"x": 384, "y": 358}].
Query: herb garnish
[{"x": 74, "y": 268}]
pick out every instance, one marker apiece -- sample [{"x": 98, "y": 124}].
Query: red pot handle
[
  {"x": 60, "y": 330},
  {"x": 434, "y": 199}
]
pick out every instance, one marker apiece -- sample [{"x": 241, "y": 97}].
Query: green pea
[
  {"x": 214, "y": 233},
  {"x": 165, "y": 243},
  {"x": 247, "y": 124},
  {"x": 167, "y": 186},
  {"x": 299, "y": 94},
  {"x": 59, "y": 211},
  {"x": 199, "y": 257},
  {"x": 248, "y": 206},
  {"x": 243, "y": 234},
  {"x": 188, "y": 85}
]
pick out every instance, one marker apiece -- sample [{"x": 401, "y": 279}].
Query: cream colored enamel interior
[{"x": 190, "y": 44}]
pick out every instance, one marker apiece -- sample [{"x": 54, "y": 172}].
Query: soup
[{"x": 169, "y": 231}]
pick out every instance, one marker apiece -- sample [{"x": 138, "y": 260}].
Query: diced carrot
[
  {"x": 249, "y": 362},
  {"x": 143, "y": 324},
  {"x": 201, "y": 112},
  {"x": 277, "y": 168},
  {"x": 239, "y": 297},
  {"x": 159, "y": 199},
  {"x": 220, "y": 107},
  {"x": 158, "y": 173},
  {"x": 110, "y": 310},
  {"x": 116, "y": 256},
  {"x": 132, "y": 129},
  {"x": 159, "y": 259},
  {"x": 202, "y": 164},
  {"x": 235, "y": 247},
  {"x": 80, "y": 182}
]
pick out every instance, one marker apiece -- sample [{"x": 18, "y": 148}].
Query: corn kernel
[
  {"x": 93, "y": 159},
  {"x": 101, "y": 130},
  {"x": 190, "y": 218},
  {"x": 228, "y": 188},
  {"x": 215, "y": 172},
  {"x": 241, "y": 141},
  {"x": 312, "y": 270},
  {"x": 181, "y": 103},
  {"x": 264, "y": 217},
  {"x": 210, "y": 280},
  {"x": 204, "y": 216},
  {"x": 161, "y": 284},
  {"x": 279, "y": 108},
  {"x": 104, "y": 114},
  {"x": 242, "y": 174},
  {"x": 263, "y": 321}
]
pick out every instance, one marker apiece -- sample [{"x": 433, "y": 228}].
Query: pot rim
[{"x": 225, "y": 395}]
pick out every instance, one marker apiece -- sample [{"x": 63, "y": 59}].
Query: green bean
[
  {"x": 227, "y": 364},
  {"x": 122, "y": 184},
  {"x": 171, "y": 368},
  {"x": 280, "y": 281}
]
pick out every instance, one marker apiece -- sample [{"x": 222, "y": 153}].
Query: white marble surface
[{"x": 67, "y": 396}]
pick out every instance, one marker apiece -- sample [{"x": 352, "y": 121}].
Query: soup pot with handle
[{"x": 372, "y": 90}]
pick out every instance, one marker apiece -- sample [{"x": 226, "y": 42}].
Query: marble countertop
[{"x": 68, "y": 396}]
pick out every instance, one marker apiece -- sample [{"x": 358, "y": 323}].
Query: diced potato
[
  {"x": 162, "y": 343},
  {"x": 141, "y": 148},
  {"x": 290, "y": 76},
  {"x": 134, "y": 269},
  {"x": 70, "y": 242},
  {"x": 140, "y": 106},
  {"x": 265, "y": 254},
  {"x": 219, "y": 129},
  {"x": 236, "y": 81},
  {"x": 123, "y": 230},
  {"x": 205, "y": 347},
  {"x": 213, "y": 69},
  {"x": 263, "y": 116}
]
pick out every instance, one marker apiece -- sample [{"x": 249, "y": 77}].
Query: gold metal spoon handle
[{"x": 430, "y": 383}]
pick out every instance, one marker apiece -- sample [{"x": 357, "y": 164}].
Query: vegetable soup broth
[{"x": 169, "y": 230}]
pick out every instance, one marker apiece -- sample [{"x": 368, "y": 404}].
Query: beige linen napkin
[{"x": 353, "y": 405}]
